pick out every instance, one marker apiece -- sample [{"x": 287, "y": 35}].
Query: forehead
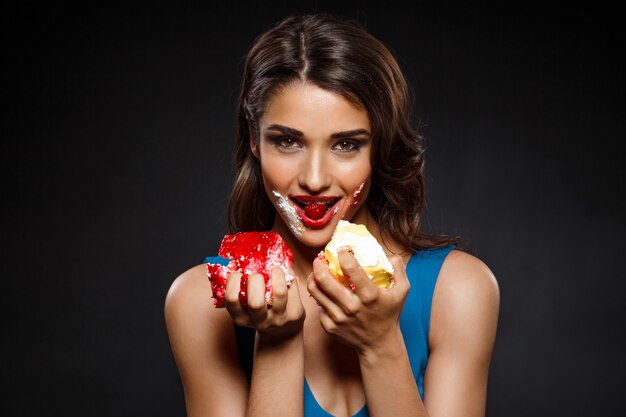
[{"x": 309, "y": 108}]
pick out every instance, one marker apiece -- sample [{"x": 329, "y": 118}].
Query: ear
[{"x": 254, "y": 144}]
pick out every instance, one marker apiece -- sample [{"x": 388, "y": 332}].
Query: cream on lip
[{"x": 293, "y": 220}]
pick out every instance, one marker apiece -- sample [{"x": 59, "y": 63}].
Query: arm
[
  {"x": 463, "y": 324},
  {"x": 368, "y": 320},
  {"x": 278, "y": 371},
  {"x": 277, "y": 377},
  {"x": 203, "y": 343},
  {"x": 463, "y": 321}
]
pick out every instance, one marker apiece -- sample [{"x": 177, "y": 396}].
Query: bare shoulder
[
  {"x": 467, "y": 275},
  {"x": 189, "y": 304},
  {"x": 203, "y": 343},
  {"x": 191, "y": 285},
  {"x": 193, "y": 323},
  {"x": 466, "y": 301}
]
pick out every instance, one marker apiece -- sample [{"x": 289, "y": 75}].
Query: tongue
[{"x": 315, "y": 211}]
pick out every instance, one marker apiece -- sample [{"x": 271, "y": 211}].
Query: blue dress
[{"x": 422, "y": 270}]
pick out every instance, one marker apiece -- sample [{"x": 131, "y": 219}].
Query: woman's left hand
[{"x": 366, "y": 317}]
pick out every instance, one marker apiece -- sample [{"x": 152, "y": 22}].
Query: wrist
[
  {"x": 279, "y": 340},
  {"x": 389, "y": 347}
]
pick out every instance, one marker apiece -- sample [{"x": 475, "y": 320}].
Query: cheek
[
  {"x": 277, "y": 171},
  {"x": 358, "y": 182},
  {"x": 355, "y": 172}
]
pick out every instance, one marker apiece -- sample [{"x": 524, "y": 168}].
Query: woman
[{"x": 324, "y": 132}]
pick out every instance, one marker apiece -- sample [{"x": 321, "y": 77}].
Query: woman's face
[{"x": 314, "y": 149}]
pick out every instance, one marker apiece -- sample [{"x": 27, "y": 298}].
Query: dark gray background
[{"x": 116, "y": 139}]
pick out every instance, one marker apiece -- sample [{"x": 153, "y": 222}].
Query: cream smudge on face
[
  {"x": 355, "y": 196},
  {"x": 293, "y": 220},
  {"x": 352, "y": 201}
]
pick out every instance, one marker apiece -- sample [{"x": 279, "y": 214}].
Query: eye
[
  {"x": 286, "y": 143},
  {"x": 347, "y": 145}
]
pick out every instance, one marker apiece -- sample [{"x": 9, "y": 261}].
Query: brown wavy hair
[{"x": 336, "y": 55}]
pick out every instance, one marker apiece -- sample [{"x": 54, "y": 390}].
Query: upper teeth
[{"x": 327, "y": 202}]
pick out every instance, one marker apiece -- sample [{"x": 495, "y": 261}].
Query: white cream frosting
[
  {"x": 367, "y": 251},
  {"x": 293, "y": 220}
]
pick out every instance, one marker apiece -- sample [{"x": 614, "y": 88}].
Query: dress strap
[{"x": 422, "y": 270}]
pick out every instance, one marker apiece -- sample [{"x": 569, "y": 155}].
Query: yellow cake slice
[{"x": 368, "y": 253}]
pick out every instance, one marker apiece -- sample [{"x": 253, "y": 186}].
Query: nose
[{"x": 314, "y": 175}]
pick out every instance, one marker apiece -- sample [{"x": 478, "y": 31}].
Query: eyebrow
[
  {"x": 286, "y": 130},
  {"x": 339, "y": 135}
]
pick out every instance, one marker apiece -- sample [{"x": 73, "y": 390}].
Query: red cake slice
[{"x": 250, "y": 253}]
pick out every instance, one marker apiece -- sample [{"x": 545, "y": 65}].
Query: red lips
[{"x": 315, "y": 211}]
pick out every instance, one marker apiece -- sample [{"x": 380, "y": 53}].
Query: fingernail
[{"x": 346, "y": 249}]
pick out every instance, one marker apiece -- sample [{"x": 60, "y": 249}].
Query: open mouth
[
  {"x": 315, "y": 211},
  {"x": 312, "y": 207}
]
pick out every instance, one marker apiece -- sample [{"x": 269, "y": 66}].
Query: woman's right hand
[{"x": 283, "y": 319}]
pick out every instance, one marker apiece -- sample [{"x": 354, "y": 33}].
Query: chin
[
  {"x": 309, "y": 237},
  {"x": 317, "y": 238}
]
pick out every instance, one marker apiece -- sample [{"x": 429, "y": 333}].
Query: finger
[
  {"x": 231, "y": 298},
  {"x": 294, "y": 301},
  {"x": 329, "y": 285},
  {"x": 256, "y": 297},
  {"x": 364, "y": 288},
  {"x": 310, "y": 278},
  {"x": 328, "y": 306},
  {"x": 328, "y": 324},
  {"x": 279, "y": 290},
  {"x": 399, "y": 278}
]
